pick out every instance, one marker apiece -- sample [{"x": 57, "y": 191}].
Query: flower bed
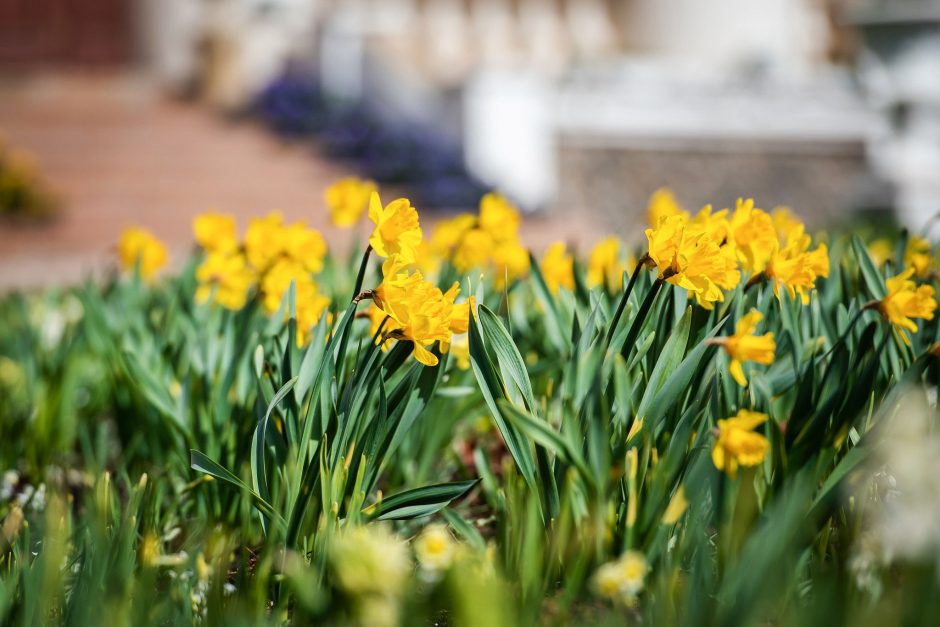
[{"x": 732, "y": 424}]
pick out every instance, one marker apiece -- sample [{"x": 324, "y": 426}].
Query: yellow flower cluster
[
  {"x": 606, "y": 266},
  {"x": 347, "y": 199},
  {"x": 273, "y": 255},
  {"x": 917, "y": 256},
  {"x": 737, "y": 444},
  {"x": 488, "y": 241},
  {"x": 905, "y": 301},
  {"x": 558, "y": 268},
  {"x": 138, "y": 248},
  {"x": 710, "y": 251},
  {"x": 406, "y": 305},
  {"x": 744, "y": 345},
  {"x": 687, "y": 255}
]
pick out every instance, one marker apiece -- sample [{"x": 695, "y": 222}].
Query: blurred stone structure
[
  {"x": 901, "y": 73},
  {"x": 586, "y": 106},
  {"x": 589, "y": 105},
  {"x": 800, "y": 143}
]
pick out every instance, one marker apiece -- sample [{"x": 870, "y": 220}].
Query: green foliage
[{"x": 198, "y": 465}]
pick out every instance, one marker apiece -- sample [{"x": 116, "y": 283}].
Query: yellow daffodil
[
  {"x": 268, "y": 239},
  {"x": 622, "y": 579},
  {"x": 716, "y": 225},
  {"x": 277, "y": 279},
  {"x": 604, "y": 265},
  {"x": 226, "y": 276},
  {"x": 488, "y": 241},
  {"x": 263, "y": 240},
  {"x": 397, "y": 230},
  {"x": 425, "y": 260},
  {"x": 785, "y": 222},
  {"x": 558, "y": 268},
  {"x": 905, "y": 301},
  {"x": 663, "y": 204},
  {"x": 460, "y": 351},
  {"x": 139, "y": 248},
  {"x": 754, "y": 236},
  {"x": 686, "y": 256},
  {"x": 448, "y": 234},
  {"x": 216, "y": 232},
  {"x": 795, "y": 267},
  {"x": 510, "y": 260},
  {"x": 347, "y": 199},
  {"x": 744, "y": 345},
  {"x": 498, "y": 216},
  {"x": 880, "y": 251},
  {"x": 309, "y": 303},
  {"x": 737, "y": 444},
  {"x": 917, "y": 255},
  {"x": 475, "y": 250},
  {"x": 418, "y": 311},
  {"x": 303, "y": 245}
]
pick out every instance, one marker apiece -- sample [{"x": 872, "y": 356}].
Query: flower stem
[
  {"x": 757, "y": 279},
  {"x": 358, "y": 295},
  {"x": 362, "y": 272},
  {"x": 626, "y": 296}
]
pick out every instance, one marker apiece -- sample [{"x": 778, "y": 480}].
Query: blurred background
[{"x": 118, "y": 112}]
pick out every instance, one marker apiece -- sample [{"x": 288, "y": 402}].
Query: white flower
[
  {"x": 8, "y": 484},
  {"x": 901, "y": 506},
  {"x": 369, "y": 560},
  {"x": 622, "y": 579},
  {"x": 435, "y": 548}
]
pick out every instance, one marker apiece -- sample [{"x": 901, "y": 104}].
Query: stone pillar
[{"x": 729, "y": 34}]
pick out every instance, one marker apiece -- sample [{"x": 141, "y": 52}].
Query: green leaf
[
  {"x": 259, "y": 476},
  {"x": 541, "y": 432},
  {"x": 201, "y": 462},
  {"x": 464, "y": 529},
  {"x": 507, "y": 355},
  {"x": 419, "y": 502},
  {"x": 848, "y": 463},
  {"x": 669, "y": 382},
  {"x": 312, "y": 358},
  {"x": 553, "y": 322},
  {"x": 669, "y": 359},
  {"x": 491, "y": 388},
  {"x": 872, "y": 278}
]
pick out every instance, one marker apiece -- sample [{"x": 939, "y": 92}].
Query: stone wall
[{"x": 608, "y": 185}]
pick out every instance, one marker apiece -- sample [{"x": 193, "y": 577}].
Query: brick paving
[{"x": 120, "y": 153}]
